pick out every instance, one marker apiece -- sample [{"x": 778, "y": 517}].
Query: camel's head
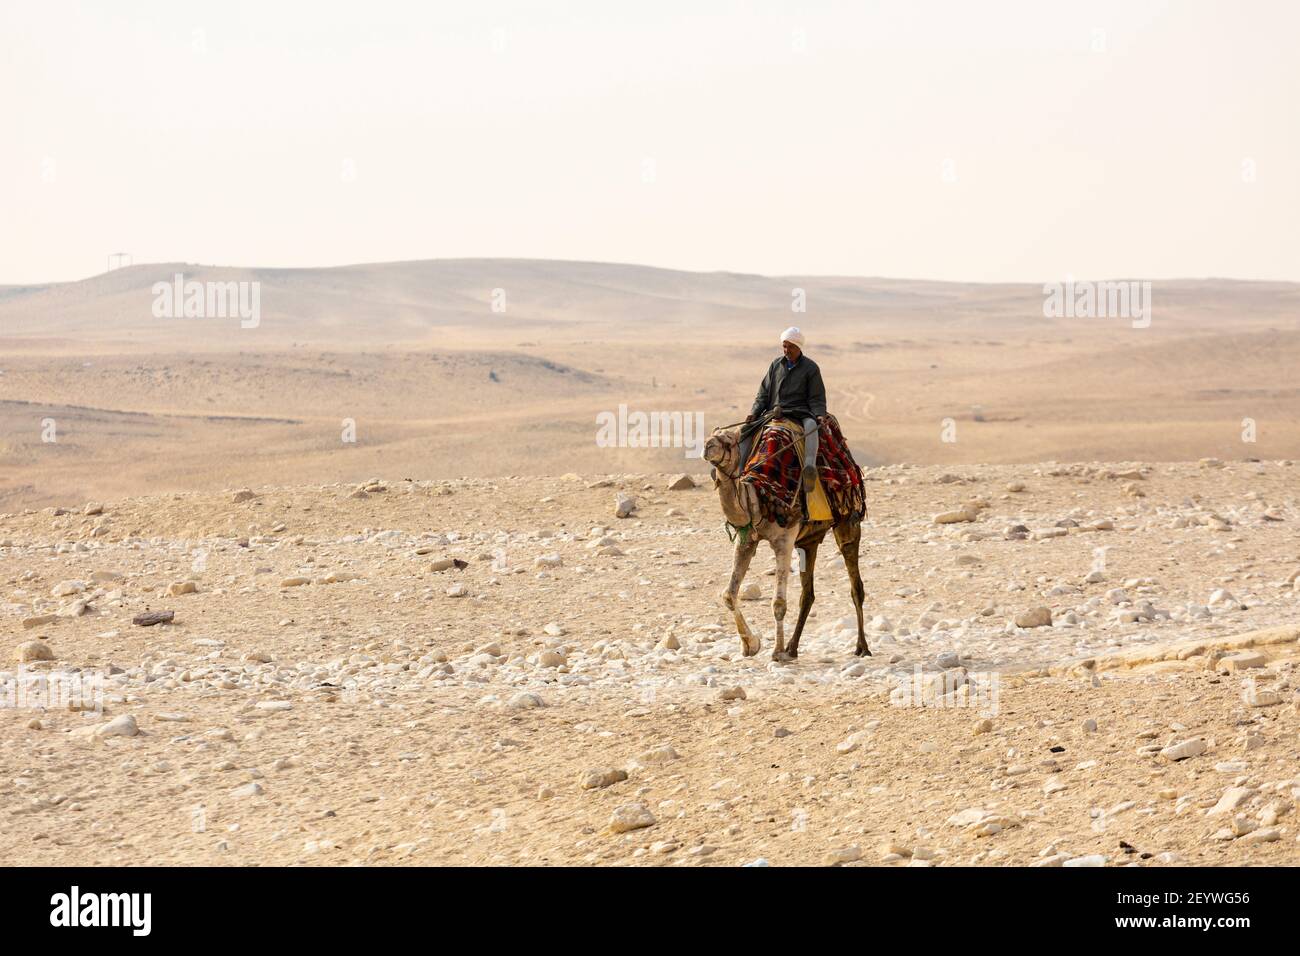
[{"x": 720, "y": 450}]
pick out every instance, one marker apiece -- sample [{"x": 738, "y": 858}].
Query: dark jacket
[{"x": 799, "y": 391}]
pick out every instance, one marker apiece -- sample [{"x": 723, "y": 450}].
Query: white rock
[
  {"x": 599, "y": 779},
  {"x": 844, "y": 854},
  {"x": 550, "y": 659},
  {"x": 633, "y": 816},
  {"x": 1262, "y": 835},
  {"x": 29, "y": 651},
  {"x": 524, "y": 701},
  {"x": 662, "y": 754},
  {"x": 1232, "y": 798},
  {"x": 1035, "y": 617},
  {"x": 1244, "y": 660},
  {"x": 1181, "y": 751}
]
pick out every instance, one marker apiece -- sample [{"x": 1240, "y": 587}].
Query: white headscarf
[{"x": 794, "y": 336}]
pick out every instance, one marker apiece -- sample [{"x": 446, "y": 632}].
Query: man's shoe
[{"x": 809, "y": 477}]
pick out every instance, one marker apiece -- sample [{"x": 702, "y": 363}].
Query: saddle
[{"x": 775, "y": 469}]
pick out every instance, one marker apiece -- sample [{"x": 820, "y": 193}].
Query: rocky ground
[{"x": 507, "y": 672}]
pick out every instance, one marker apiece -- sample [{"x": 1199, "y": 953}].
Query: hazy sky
[{"x": 989, "y": 140}]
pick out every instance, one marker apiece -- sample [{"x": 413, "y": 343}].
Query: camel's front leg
[
  {"x": 783, "y": 547},
  {"x": 740, "y": 564}
]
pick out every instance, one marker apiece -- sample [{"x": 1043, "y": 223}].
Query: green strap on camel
[{"x": 742, "y": 530}]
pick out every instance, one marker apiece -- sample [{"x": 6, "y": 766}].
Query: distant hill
[{"x": 421, "y": 303}]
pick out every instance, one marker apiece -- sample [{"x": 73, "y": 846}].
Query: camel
[{"x": 741, "y": 507}]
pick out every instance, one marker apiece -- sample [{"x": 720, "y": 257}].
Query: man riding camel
[{"x": 793, "y": 387}]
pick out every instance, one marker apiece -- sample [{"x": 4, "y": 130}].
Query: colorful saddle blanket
[{"x": 775, "y": 469}]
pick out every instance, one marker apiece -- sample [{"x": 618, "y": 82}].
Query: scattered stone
[
  {"x": 1232, "y": 798},
  {"x": 1242, "y": 825},
  {"x": 1258, "y": 697},
  {"x": 844, "y": 854},
  {"x": 1035, "y": 617},
  {"x": 1181, "y": 751},
  {"x": 599, "y": 779},
  {"x": 681, "y": 483},
  {"x": 1244, "y": 660},
  {"x": 177, "y": 588},
  {"x": 524, "y": 701},
  {"x": 633, "y": 816},
  {"x": 1262, "y": 835},
  {"x": 1222, "y": 597},
  {"x": 732, "y": 693},
  {"x": 123, "y": 726},
  {"x": 33, "y": 651}
]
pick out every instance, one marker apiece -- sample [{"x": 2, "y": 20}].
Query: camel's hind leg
[
  {"x": 849, "y": 536},
  {"x": 740, "y": 564},
  {"x": 806, "y": 595},
  {"x": 783, "y": 547}
]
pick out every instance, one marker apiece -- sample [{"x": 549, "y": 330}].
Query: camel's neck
[{"x": 734, "y": 506}]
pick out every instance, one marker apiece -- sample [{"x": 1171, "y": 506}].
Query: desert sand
[
  {"x": 438, "y": 385},
  {"x": 333, "y": 688},
  {"x": 438, "y": 644}
]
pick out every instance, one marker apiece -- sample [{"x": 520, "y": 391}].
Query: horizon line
[{"x": 640, "y": 265}]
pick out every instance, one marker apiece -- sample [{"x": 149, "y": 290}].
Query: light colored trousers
[{"x": 810, "y": 436}]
